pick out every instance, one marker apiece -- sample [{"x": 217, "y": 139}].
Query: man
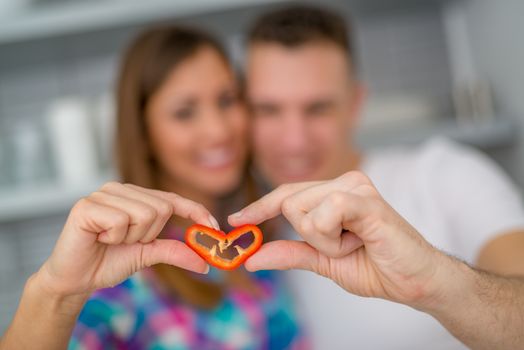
[
  {"x": 356, "y": 239},
  {"x": 305, "y": 102}
]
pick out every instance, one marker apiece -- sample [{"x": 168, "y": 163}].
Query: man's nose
[{"x": 294, "y": 133}]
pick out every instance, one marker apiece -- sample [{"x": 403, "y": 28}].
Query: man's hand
[
  {"x": 353, "y": 237},
  {"x": 356, "y": 239}
]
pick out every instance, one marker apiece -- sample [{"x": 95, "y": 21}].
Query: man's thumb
[{"x": 284, "y": 255}]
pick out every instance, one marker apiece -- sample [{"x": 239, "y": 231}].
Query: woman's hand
[
  {"x": 112, "y": 233},
  {"x": 108, "y": 236},
  {"x": 352, "y": 237}
]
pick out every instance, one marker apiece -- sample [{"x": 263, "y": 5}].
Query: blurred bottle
[
  {"x": 104, "y": 116},
  {"x": 72, "y": 141},
  {"x": 472, "y": 95},
  {"x": 473, "y": 102},
  {"x": 5, "y": 166}
]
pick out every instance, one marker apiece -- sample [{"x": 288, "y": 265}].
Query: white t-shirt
[{"x": 458, "y": 199}]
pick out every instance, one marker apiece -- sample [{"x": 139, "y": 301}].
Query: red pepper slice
[{"x": 226, "y": 251}]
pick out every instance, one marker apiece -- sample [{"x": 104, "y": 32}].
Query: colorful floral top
[{"x": 137, "y": 314}]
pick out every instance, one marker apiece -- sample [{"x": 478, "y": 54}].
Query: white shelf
[
  {"x": 18, "y": 204},
  {"x": 27, "y": 203},
  {"x": 76, "y": 17},
  {"x": 498, "y": 132}
]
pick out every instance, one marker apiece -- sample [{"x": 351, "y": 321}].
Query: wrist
[
  {"x": 451, "y": 288},
  {"x": 44, "y": 316},
  {"x": 55, "y": 298}
]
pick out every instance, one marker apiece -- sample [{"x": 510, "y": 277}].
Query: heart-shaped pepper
[{"x": 226, "y": 251}]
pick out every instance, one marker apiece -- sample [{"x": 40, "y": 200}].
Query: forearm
[
  {"x": 43, "y": 320},
  {"x": 483, "y": 310}
]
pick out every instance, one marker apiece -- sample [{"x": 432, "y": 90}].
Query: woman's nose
[{"x": 215, "y": 126}]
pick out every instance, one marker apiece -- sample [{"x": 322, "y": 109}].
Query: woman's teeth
[{"x": 216, "y": 158}]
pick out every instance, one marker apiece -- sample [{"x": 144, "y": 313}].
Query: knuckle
[
  {"x": 288, "y": 206},
  {"x": 172, "y": 196},
  {"x": 110, "y": 186},
  {"x": 321, "y": 226},
  {"x": 120, "y": 219},
  {"x": 80, "y": 205},
  {"x": 117, "y": 239},
  {"x": 337, "y": 199},
  {"x": 306, "y": 225},
  {"x": 96, "y": 195},
  {"x": 164, "y": 210},
  {"x": 367, "y": 190},
  {"x": 146, "y": 215},
  {"x": 355, "y": 177},
  {"x": 198, "y": 209}
]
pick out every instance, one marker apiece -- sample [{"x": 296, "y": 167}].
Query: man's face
[{"x": 304, "y": 104}]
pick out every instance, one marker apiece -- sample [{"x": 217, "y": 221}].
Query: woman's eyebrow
[{"x": 184, "y": 101}]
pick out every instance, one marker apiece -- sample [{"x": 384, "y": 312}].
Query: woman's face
[{"x": 197, "y": 126}]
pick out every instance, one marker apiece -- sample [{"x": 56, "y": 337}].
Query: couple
[{"x": 184, "y": 126}]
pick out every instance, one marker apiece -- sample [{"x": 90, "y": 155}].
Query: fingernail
[
  {"x": 214, "y": 222},
  {"x": 236, "y": 215},
  {"x": 206, "y": 271}
]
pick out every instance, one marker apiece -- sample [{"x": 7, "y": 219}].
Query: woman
[{"x": 182, "y": 129}]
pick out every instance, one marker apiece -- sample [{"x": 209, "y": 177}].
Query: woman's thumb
[{"x": 171, "y": 252}]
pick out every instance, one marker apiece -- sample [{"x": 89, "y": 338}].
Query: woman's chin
[{"x": 220, "y": 186}]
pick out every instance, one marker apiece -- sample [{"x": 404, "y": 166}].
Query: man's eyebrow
[{"x": 319, "y": 104}]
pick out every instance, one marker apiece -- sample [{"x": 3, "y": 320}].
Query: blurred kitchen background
[{"x": 433, "y": 67}]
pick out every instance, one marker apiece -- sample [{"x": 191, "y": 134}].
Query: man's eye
[{"x": 318, "y": 110}]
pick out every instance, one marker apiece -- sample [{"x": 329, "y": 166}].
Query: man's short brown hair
[{"x": 301, "y": 24}]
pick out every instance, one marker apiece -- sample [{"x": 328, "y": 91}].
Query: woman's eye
[
  {"x": 226, "y": 101},
  {"x": 184, "y": 113}
]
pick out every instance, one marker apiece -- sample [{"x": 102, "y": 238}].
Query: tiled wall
[{"x": 404, "y": 53}]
